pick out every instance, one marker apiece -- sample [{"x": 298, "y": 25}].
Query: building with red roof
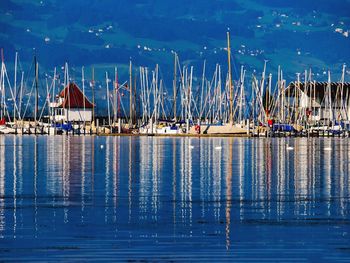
[{"x": 72, "y": 105}]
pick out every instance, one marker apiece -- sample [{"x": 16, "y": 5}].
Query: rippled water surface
[{"x": 189, "y": 199}]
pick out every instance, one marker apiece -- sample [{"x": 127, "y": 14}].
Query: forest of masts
[{"x": 214, "y": 99}]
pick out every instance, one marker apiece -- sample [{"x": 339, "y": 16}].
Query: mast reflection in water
[{"x": 119, "y": 198}]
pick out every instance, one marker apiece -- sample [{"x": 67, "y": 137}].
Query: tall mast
[
  {"x": 190, "y": 95},
  {"x": 342, "y": 92},
  {"x": 15, "y": 89},
  {"x": 93, "y": 95},
  {"x": 83, "y": 84},
  {"x": 36, "y": 89},
  {"x": 135, "y": 101},
  {"x": 174, "y": 86},
  {"x": 107, "y": 91},
  {"x": 117, "y": 89},
  {"x": 115, "y": 96},
  {"x": 68, "y": 89},
  {"x": 53, "y": 93},
  {"x": 241, "y": 95},
  {"x": 202, "y": 89},
  {"x": 229, "y": 76},
  {"x": 130, "y": 98},
  {"x": 329, "y": 86},
  {"x": 21, "y": 95},
  {"x": 262, "y": 86}
]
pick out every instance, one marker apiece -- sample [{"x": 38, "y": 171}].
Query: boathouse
[
  {"x": 71, "y": 105},
  {"x": 321, "y": 100}
]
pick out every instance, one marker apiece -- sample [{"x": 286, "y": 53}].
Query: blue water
[{"x": 146, "y": 198}]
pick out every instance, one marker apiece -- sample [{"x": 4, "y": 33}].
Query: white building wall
[
  {"x": 78, "y": 115},
  {"x": 75, "y": 115}
]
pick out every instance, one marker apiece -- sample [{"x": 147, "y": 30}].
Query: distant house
[
  {"x": 71, "y": 105},
  {"x": 321, "y": 100}
]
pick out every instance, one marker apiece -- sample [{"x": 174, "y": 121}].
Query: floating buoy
[{"x": 102, "y": 146}]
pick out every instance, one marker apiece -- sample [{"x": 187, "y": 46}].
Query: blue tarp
[
  {"x": 283, "y": 127},
  {"x": 64, "y": 126}
]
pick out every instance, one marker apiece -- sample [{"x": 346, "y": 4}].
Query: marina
[
  {"x": 143, "y": 105},
  {"x": 174, "y": 131}
]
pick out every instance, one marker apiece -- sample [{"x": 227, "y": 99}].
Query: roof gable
[{"x": 73, "y": 97}]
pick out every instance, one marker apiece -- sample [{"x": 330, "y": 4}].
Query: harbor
[
  {"x": 175, "y": 131},
  {"x": 211, "y": 105}
]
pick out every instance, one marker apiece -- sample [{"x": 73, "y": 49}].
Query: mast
[
  {"x": 156, "y": 94},
  {"x": 229, "y": 76},
  {"x": 269, "y": 98},
  {"x": 174, "y": 86},
  {"x": 241, "y": 95},
  {"x": 190, "y": 95},
  {"x": 107, "y": 91},
  {"x": 314, "y": 104},
  {"x": 83, "y": 84},
  {"x": 309, "y": 107},
  {"x": 329, "y": 85},
  {"x": 135, "y": 100},
  {"x": 68, "y": 89},
  {"x": 283, "y": 97},
  {"x": 118, "y": 95},
  {"x": 342, "y": 107},
  {"x": 36, "y": 89},
  {"x": 130, "y": 94},
  {"x": 202, "y": 88},
  {"x": 93, "y": 95},
  {"x": 53, "y": 94},
  {"x": 15, "y": 89},
  {"x": 21, "y": 96},
  {"x": 115, "y": 96}
]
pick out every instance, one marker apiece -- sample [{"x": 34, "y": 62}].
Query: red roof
[{"x": 74, "y": 97}]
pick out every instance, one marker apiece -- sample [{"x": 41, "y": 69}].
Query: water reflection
[
  {"x": 2, "y": 187},
  {"x": 170, "y": 190}
]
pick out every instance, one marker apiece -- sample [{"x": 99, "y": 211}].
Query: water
[{"x": 185, "y": 199}]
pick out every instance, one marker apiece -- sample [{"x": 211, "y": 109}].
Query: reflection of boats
[{"x": 163, "y": 127}]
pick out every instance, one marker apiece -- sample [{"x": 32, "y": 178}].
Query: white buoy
[{"x": 102, "y": 146}]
